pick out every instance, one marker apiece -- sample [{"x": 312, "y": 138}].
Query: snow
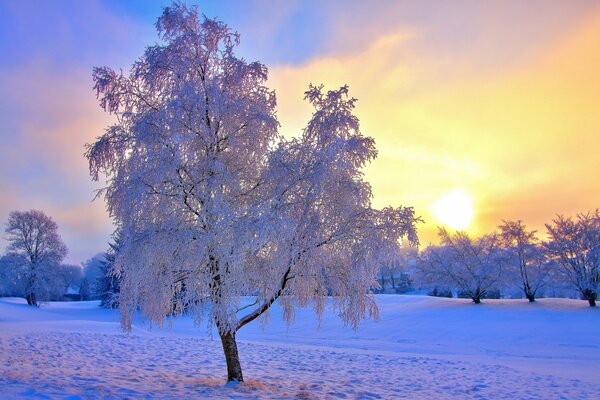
[{"x": 422, "y": 347}]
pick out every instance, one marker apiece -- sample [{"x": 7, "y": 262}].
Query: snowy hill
[{"x": 422, "y": 347}]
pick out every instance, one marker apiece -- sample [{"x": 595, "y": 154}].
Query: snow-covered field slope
[{"x": 421, "y": 348}]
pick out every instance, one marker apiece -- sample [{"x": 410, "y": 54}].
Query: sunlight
[{"x": 454, "y": 209}]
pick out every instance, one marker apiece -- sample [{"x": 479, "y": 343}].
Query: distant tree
[
  {"x": 69, "y": 276},
  {"x": 92, "y": 270},
  {"x": 395, "y": 270},
  {"x": 212, "y": 204},
  {"x": 84, "y": 289},
  {"x": 440, "y": 292},
  {"x": 59, "y": 279},
  {"x": 53, "y": 282},
  {"x": 381, "y": 276},
  {"x": 489, "y": 294},
  {"x": 108, "y": 283},
  {"x": 4, "y": 285},
  {"x": 397, "y": 277},
  {"x": 388, "y": 272},
  {"x": 10, "y": 282},
  {"x": 575, "y": 245},
  {"x": 404, "y": 283},
  {"x": 473, "y": 266},
  {"x": 526, "y": 257},
  {"x": 36, "y": 249}
]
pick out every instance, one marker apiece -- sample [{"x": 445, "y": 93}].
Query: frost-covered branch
[
  {"x": 575, "y": 244},
  {"x": 213, "y": 204}
]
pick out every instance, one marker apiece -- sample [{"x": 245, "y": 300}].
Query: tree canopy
[
  {"x": 34, "y": 249},
  {"x": 213, "y": 204}
]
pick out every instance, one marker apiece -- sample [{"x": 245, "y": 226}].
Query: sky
[{"x": 496, "y": 103}]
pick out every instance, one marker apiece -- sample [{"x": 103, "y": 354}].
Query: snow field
[{"x": 421, "y": 348}]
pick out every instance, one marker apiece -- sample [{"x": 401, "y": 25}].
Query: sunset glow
[
  {"x": 454, "y": 210},
  {"x": 299, "y": 199},
  {"x": 498, "y": 97}
]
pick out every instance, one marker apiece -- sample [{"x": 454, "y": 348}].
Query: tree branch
[{"x": 265, "y": 306}]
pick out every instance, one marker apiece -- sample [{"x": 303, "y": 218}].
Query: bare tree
[
  {"x": 474, "y": 266},
  {"x": 35, "y": 248},
  {"x": 526, "y": 256},
  {"x": 575, "y": 245}
]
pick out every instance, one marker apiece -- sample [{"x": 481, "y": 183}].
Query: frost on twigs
[
  {"x": 575, "y": 245},
  {"x": 526, "y": 258},
  {"x": 212, "y": 204},
  {"x": 473, "y": 265},
  {"x": 35, "y": 252}
]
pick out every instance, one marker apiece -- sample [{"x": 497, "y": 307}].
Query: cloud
[
  {"x": 522, "y": 138},
  {"x": 45, "y": 120},
  {"x": 48, "y": 110},
  {"x": 498, "y": 99},
  {"x": 84, "y": 227}
]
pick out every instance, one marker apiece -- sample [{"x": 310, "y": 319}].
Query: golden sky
[{"x": 522, "y": 139}]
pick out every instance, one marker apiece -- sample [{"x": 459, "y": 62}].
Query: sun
[{"x": 454, "y": 210}]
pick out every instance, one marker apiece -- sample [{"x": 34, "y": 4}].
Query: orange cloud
[{"x": 522, "y": 139}]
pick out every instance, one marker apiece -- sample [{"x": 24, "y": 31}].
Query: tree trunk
[
  {"x": 530, "y": 294},
  {"x": 234, "y": 369},
  {"x": 477, "y": 297},
  {"x": 591, "y": 297},
  {"x": 31, "y": 300},
  {"x": 530, "y": 297},
  {"x": 29, "y": 291},
  {"x": 592, "y": 302}
]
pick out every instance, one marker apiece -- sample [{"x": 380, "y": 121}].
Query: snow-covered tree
[
  {"x": 108, "y": 283},
  {"x": 92, "y": 271},
  {"x": 84, "y": 290},
  {"x": 52, "y": 282},
  {"x": 473, "y": 266},
  {"x": 526, "y": 257},
  {"x": 212, "y": 204},
  {"x": 57, "y": 281},
  {"x": 68, "y": 276},
  {"x": 575, "y": 245},
  {"x": 396, "y": 273},
  {"x": 10, "y": 284},
  {"x": 35, "y": 249}
]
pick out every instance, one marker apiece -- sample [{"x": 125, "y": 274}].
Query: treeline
[
  {"x": 514, "y": 257},
  {"x": 491, "y": 266}
]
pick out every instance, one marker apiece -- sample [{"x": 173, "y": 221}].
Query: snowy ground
[{"x": 422, "y": 348}]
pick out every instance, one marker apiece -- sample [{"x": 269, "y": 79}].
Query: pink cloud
[{"x": 55, "y": 116}]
